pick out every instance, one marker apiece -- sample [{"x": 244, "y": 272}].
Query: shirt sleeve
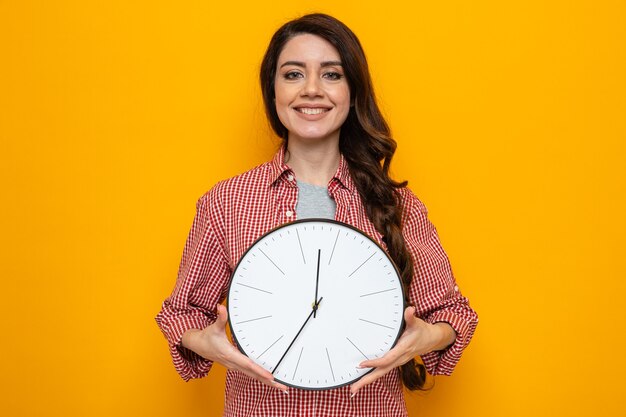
[
  {"x": 434, "y": 291},
  {"x": 201, "y": 284}
]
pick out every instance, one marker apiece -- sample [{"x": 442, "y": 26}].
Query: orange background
[{"x": 115, "y": 116}]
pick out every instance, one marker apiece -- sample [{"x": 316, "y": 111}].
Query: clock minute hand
[
  {"x": 317, "y": 282},
  {"x": 298, "y": 334}
]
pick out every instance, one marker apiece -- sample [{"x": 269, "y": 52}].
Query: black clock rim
[{"x": 311, "y": 220}]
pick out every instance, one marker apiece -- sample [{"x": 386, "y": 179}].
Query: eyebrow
[{"x": 323, "y": 64}]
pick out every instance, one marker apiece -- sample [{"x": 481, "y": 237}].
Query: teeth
[{"x": 307, "y": 110}]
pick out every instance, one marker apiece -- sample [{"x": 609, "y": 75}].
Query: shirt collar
[
  {"x": 343, "y": 175},
  {"x": 278, "y": 168}
]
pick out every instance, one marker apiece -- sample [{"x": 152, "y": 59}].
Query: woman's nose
[{"x": 312, "y": 87}]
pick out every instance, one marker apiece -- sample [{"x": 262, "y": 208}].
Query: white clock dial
[{"x": 272, "y": 306}]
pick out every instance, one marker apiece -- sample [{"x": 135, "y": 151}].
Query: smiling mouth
[{"x": 309, "y": 110}]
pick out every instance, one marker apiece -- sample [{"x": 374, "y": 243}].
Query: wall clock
[{"x": 311, "y": 299}]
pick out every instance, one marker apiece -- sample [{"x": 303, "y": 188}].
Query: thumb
[
  {"x": 222, "y": 316},
  {"x": 409, "y": 315}
]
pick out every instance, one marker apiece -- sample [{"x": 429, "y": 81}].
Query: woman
[{"x": 334, "y": 163}]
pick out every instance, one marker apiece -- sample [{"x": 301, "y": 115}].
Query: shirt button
[
  {"x": 290, "y": 178},
  {"x": 289, "y": 213},
  {"x": 456, "y": 288}
]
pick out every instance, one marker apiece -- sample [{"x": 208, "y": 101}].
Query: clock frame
[{"x": 311, "y": 299}]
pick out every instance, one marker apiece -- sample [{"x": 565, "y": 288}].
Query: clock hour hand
[
  {"x": 317, "y": 282},
  {"x": 299, "y": 331}
]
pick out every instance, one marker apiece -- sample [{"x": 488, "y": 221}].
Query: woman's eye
[
  {"x": 333, "y": 75},
  {"x": 292, "y": 75}
]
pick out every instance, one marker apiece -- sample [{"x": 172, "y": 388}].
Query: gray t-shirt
[{"x": 314, "y": 201}]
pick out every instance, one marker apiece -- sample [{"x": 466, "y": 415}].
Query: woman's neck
[{"x": 313, "y": 163}]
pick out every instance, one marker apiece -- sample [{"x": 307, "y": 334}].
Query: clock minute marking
[
  {"x": 276, "y": 341},
  {"x": 357, "y": 348},
  {"x": 254, "y": 288},
  {"x": 334, "y": 245},
  {"x": 273, "y": 263},
  {"x": 364, "y": 262},
  {"x": 258, "y": 318},
  {"x": 298, "y": 363},
  {"x": 330, "y": 364},
  {"x": 377, "y": 292},
  {"x": 300, "y": 244},
  {"x": 377, "y": 324}
]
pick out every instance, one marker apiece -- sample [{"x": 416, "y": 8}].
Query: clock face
[{"x": 312, "y": 299}]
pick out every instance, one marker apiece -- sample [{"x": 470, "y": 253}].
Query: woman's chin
[{"x": 311, "y": 137}]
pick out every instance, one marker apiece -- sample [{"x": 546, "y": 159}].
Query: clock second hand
[{"x": 298, "y": 334}]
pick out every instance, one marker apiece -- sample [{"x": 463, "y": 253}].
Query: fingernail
[
  {"x": 353, "y": 394},
  {"x": 285, "y": 392}
]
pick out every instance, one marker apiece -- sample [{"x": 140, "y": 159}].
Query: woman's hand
[
  {"x": 212, "y": 343},
  {"x": 418, "y": 338}
]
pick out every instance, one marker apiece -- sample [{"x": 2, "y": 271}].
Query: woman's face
[{"x": 312, "y": 94}]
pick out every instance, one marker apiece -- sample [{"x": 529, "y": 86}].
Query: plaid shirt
[{"x": 237, "y": 211}]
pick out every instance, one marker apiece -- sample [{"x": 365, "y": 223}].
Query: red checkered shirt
[{"x": 237, "y": 211}]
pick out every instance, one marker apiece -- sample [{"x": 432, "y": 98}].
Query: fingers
[
  {"x": 390, "y": 358},
  {"x": 215, "y": 346},
  {"x": 369, "y": 378},
  {"x": 397, "y": 356},
  {"x": 382, "y": 365},
  {"x": 257, "y": 372},
  {"x": 233, "y": 359},
  {"x": 238, "y": 361}
]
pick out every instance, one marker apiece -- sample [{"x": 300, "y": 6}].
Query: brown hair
[{"x": 365, "y": 142}]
